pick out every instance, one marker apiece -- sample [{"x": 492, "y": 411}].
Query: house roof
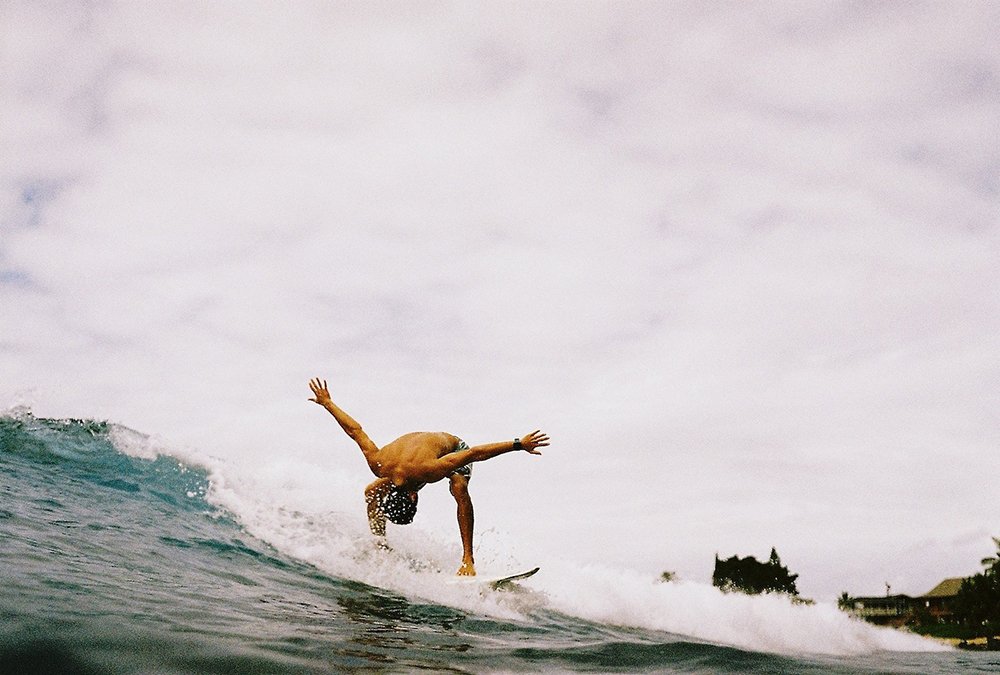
[
  {"x": 881, "y": 599},
  {"x": 946, "y": 589}
]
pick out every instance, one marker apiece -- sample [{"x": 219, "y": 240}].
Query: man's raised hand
[
  {"x": 536, "y": 439},
  {"x": 320, "y": 392}
]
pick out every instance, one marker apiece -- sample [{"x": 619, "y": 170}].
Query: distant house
[
  {"x": 938, "y": 601},
  {"x": 896, "y": 610},
  {"x": 883, "y": 610}
]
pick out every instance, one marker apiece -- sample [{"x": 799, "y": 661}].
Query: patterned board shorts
[{"x": 462, "y": 470}]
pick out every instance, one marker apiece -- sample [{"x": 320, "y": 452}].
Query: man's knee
[{"x": 459, "y": 486}]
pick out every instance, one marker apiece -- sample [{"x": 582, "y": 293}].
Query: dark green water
[{"x": 115, "y": 564}]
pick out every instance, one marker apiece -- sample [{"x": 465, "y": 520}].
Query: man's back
[{"x": 411, "y": 459}]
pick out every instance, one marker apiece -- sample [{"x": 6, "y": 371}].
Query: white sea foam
[
  {"x": 137, "y": 444},
  {"x": 315, "y": 515},
  {"x": 767, "y": 623}
]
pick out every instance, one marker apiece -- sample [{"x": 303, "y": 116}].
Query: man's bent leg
[{"x": 466, "y": 520}]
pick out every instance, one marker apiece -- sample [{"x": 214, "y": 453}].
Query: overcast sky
[{"x": 740, "y": 260}]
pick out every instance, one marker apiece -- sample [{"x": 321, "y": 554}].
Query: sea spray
[
  {"x": 314, "y": 513},
  {"x": 762, "y": 622}
]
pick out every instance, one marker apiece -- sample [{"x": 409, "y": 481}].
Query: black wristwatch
[{"x": 517, "y": 444}]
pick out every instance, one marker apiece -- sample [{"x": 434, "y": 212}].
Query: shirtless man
[{"x": 411, "y": 461}]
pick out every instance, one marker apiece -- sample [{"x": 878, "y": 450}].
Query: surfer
[{"x": 416, "y": 459}]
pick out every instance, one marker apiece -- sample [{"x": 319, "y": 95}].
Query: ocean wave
[{"x": 103, "y": 528}]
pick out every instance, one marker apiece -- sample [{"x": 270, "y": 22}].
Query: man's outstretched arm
[
  {"x": 478, "y": 453},
  {"x": 347, "y": 423}
]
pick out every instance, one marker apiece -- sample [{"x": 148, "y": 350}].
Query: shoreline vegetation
[{"x": 962, "y": 612}]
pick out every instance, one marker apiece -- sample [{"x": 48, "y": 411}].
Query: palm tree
[{"x": 992, "y": 563}]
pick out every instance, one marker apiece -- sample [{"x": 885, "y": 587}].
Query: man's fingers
[{"x": 538, "y": 437}]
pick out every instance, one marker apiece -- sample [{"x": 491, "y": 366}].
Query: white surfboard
[{"x": 495, "y": 583}]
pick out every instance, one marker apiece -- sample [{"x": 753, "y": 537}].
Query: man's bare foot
[{"x": 467, "y": 570}]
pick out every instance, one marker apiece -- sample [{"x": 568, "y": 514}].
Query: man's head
[{"x": 399, "y": 506}]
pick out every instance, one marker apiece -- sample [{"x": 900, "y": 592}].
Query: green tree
[
  {"x": 992, "y": 563},
  {"x": 977, "y": 604},
  {"x": 748, "y": 575}
]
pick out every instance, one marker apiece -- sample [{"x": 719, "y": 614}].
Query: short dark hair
[{"x": 398, "y": 506}]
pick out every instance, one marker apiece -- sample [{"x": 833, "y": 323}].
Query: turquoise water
[{"x": 124, "y": 564}]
